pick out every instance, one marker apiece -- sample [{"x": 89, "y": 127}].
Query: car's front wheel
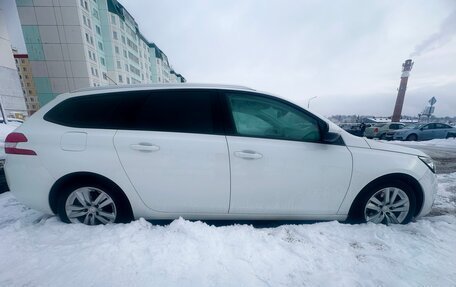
[
  {"x": 388, "y": 203},
  {"x": 91, "y": 204}
]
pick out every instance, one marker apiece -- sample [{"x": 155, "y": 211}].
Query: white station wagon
[{"x": 113, "y": 154}]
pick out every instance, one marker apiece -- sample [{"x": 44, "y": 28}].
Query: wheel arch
[
  {"x": 86, "y": 177},
  {"x": 406, "y": 178},
  {"x": 412, "y": 134}
]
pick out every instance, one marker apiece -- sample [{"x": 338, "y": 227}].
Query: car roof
[{"x": 141, "y": 87}]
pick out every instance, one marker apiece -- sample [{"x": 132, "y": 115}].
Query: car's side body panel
[
  {"x": 290, "y": 177},
  {"x": 188, "y": 173}
]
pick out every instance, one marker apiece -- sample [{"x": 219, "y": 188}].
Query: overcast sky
[{"x": 348, "y": 53}]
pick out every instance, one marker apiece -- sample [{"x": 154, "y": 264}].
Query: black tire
[
  {"x": 122, "y": 206},
  {"x": 451, "y": 135},
  {"x": 412, "y": 137},
  {"x": 382, "y": 136},
  {"x": 357, "y": 211}
]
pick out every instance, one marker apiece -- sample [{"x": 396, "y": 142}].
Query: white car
[{"x": 113, "y": 154}]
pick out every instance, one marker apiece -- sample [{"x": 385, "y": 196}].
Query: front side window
[{"x": 264, "y": 117}]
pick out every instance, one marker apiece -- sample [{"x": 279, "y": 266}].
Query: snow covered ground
[{"x": 39, "y": 251}]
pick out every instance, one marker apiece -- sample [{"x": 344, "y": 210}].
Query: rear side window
[
  {"x": 96, "y": 111},
  {"x": 187, "y": 111},
  {"x": 177, "y": 111}
]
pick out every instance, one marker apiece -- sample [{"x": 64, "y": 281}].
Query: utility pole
[{"x": 308, "y": 102}]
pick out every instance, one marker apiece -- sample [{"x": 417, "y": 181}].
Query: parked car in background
[
  {"x": 422, "y": 132},
  {"x": 355, "y": 129},
  {"x": 381, "y": 130},
  {"x": 111, "y": 154}
]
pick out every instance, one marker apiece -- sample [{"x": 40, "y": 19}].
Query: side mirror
[{"x": 330, "y": 137}]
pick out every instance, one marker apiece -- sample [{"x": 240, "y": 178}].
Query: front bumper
[{"x": 429, "y": 185}]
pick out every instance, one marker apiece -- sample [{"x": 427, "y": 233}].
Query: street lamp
[{"x": 308, "y": 102}]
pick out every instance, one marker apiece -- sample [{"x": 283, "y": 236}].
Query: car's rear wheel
[
  {"x": 387, "y": 203},
  {"x": 91, "y": 204},
  {"x": 412, "y": 137},
  {"x": 451, "y": 135}
]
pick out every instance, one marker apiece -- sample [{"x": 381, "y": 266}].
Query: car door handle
[
  {"x": 148, "y": 147},
  {"x": 248, "y": 154}
]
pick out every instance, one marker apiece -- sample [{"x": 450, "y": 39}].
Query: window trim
[{"x": 230, "y": 128}]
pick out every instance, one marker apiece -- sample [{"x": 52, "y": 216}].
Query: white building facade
[
  {"x": 75, "y": 44},
  {"x": 11, "y": 97}
]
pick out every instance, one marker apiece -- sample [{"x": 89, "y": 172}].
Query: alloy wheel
[
  {"x": 91, "y": 206},
  {"x": 388, "y": 205}
]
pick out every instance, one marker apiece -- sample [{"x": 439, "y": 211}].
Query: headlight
[{"x": 428, "y": 161}]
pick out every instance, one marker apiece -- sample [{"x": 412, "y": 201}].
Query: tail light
[
  {"x": 376, "y": 130},
  {"x": 11, "y": 142}
]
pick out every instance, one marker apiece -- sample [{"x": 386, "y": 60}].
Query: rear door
[
  {"x": 427, "y": 132},
  {"x": 175, "y": 153}
]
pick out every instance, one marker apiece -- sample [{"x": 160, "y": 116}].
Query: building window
[
  {"x": 114, "y": 35},
  {"x": 87, "y": 38},
  {"x": 102, "y": 61},
  {"x": 95, "y": 13},
  {"x": 123, "y": 39},
  {"x": 117, "y": 49},
  {"x": 89, "y": 24},
  {"x": 97, "y": 28},
  {"x": 22, "y": 61},
  {"x": 113, "y": 19},
  {"x": 121, "y": 25},
  {"x": 24, "y": 69},
  {"x": 100, "y": 45},
  {"x": 120, "y": 79},
  {"x": 26, "y": 76},
  {"x": 118, "y": 65},
  {"x": 128, "y": 80},
  {"x": 105, "y": 76},
  {"x": 126, "y": 67},
  {"x": 125, "y": 53}
]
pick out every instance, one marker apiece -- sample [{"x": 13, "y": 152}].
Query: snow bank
[
  {"x": 40, "y": 251},
  {"x": 451, "y": 142}
]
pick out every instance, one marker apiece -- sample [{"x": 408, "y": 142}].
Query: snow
[
  {"x": 37, "y": 250},
  {"x": 451, "y": 142}
]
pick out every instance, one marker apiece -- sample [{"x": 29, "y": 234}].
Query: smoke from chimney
[{"x": 439, "y": 39}]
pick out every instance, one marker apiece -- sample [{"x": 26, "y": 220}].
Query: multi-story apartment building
[
  {"x": 25, "y": 76},
  {"x": 12, "y": 103},
  {"x": 74, "y": 44}
]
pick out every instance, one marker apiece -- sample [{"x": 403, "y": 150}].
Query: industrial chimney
[{"x": 406, "y": 68}]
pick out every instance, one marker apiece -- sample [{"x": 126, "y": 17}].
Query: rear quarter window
[{"x": 92, "y": 111}]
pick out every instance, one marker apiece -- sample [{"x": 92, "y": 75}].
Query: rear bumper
[
  {"x": 429, "y": 185},
  {"x": 29, "y": 181}
]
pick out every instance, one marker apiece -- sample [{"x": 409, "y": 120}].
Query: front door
[{"x": 278, "y": 164}]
